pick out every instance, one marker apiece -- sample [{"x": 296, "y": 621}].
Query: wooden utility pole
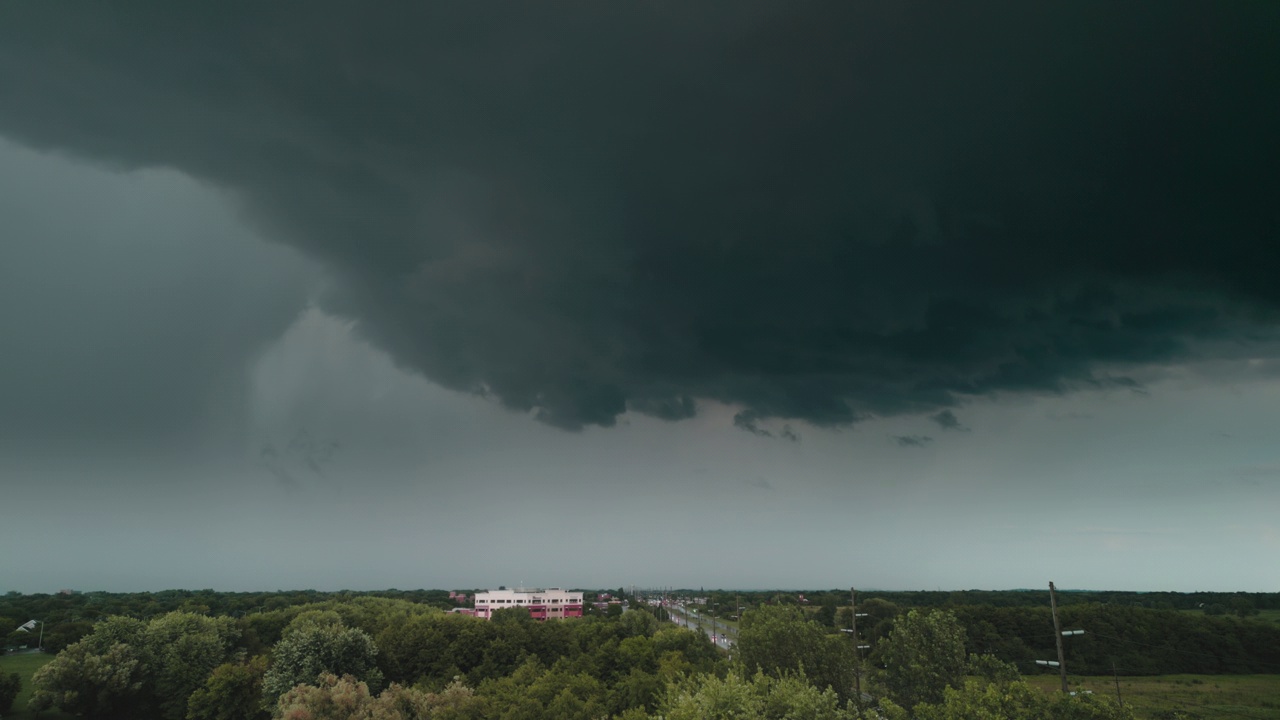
[
  {"x": 857, "y": 653},
  {"x": 1116, "y": 675},
  {"x": 1057, "y": 637}
]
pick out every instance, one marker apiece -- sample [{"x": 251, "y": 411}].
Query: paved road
[{"x": 723, "y": 635}]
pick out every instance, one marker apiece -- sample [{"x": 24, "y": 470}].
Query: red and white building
[{"x": 545, "y": 604}]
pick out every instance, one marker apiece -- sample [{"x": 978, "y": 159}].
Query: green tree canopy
[
  {"x": 922, "y": 656},
  {"x": 10, "y": 686},
  {"x": 130, "y": 668},
  {"x": 316, "y": 645},
  {"x": 778, "y": 640},
  {"x": 707, "y": 697},
  {"x": 233, "y": 691}
]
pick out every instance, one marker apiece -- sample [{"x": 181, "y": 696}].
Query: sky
[{"x": 896, "y": 295}]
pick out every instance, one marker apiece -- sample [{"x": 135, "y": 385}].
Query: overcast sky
[{"x": 902, "y": 295}]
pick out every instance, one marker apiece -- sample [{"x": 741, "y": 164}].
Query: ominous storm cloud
[{"x": 819, "y": 211}]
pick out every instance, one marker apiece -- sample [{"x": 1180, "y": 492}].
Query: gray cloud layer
[
  {"x": 130, "y": 311},
  {"x": 820, "y": 211}
]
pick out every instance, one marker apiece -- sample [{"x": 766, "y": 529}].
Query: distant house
[{"x": 543, "y": 604}]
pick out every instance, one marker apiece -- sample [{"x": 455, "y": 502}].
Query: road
[{"x": 722, "y": 635}]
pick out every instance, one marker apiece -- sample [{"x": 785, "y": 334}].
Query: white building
[{"x": 543, "y": 604}]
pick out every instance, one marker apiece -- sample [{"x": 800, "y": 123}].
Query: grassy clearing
[
  {"x": 1197, "y": 697},
  {"x": 25, "y": 664},
  {"x": 1272, "y": 616}
]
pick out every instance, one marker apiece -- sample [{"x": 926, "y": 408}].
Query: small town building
[{"x": 543, "y": 604}]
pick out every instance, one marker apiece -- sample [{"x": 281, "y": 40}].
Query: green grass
[
  {"x": 25, "y": 664},
  {"x": 1201, "y": 697},
  {"x": 1272, "y": 616}
]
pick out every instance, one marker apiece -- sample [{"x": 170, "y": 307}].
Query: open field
[
  {"x": 1269, "y": 616},
  {"x": 25, "y": 664},
  {"x": 1200, "y": 697}
]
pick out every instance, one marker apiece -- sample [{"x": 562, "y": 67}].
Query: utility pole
[
  {"x": 1116, "y": 675},
  {"x": 857, "y": 654},
  {"x": 1057, "y": 637},
  {"x": 713, "y": 624}
]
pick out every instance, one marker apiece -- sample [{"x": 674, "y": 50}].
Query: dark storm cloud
[
  {"x": 825, "y": 210},
  {"x": 749, "y": 420},
  {"x": 947, "y": 420},
  {"x": 912, "y": 440},
  {"x": 129, "y": 311}
]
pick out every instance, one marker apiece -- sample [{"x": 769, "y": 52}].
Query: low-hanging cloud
[
  {"x": 826, "y": 211},
  {"x": 947, "y": 420}
]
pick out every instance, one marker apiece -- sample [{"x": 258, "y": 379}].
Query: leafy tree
[
  {"x": 314, "y": 646},
  {"x": 533, "y": 691},
  {"x": 346, "y": 698},
  {"x": 923, "y": 656},
  {"x": 707, "y": 697},
  {"x": 1015, "y": 701},
  {"x": 329, "y": 698},
  {"x": 96, "y": 682},
  {"x": 779, "y": 641},
  {"x": 130, "y": 668},
  {"x": 992, "y": 670},
  {"x": 826, "y": 615},
  {"x": 58, "y": 636},
  {"x": 233, "y": 691},
  {"x": 10, "y": 686},
  {"x": 182, "y": 649}
]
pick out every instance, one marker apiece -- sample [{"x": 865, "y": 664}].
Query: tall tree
[
  {"x": 923, "y": 656},
  {"x": 233, "y": 691},
  {"x": 778, "y": 640},
  {"x": 310, "y": 648},
  {"x": 10, "y": 686},
  {"x": 131, "y": 668}
]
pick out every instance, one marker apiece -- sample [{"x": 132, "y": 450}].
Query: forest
[{"x": 200, "y": 655}]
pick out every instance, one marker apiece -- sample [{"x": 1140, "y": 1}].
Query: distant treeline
[
  {"x": 1232, "y": 602},
  {"x": 1140, "y": 633},
  {"x": 1137, "y": 633},
  {"x": 70, "y": 616},
  {"x": 370, "y": 658},
  {"x": 1133, "y": 640},
  {"x": 1037, "y": 598}
]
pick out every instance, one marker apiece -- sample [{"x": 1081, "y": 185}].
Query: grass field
[
  {"x": 1197, "y": 697},
  {"x": 25, "y": 664},
  {"x": 1269, "y": 616}
]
